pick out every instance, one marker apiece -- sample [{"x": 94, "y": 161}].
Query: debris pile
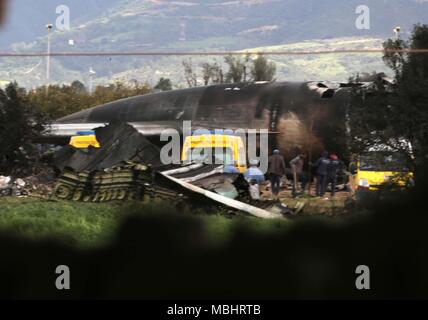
[
  {"x": 123, "y": 168},
  {"x": 127, "y": 166},
  {"x": 10, "y": 186},
  {"x": 207, "y": 176},
  {"x": 119, "y": 142},
  {"x": 126, "y": 181},
  {"x": 38, "y": 184}
]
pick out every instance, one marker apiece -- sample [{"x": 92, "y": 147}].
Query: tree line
[
  {"x": 56, "y": 101},
  {"x": 238, "y": 69}
]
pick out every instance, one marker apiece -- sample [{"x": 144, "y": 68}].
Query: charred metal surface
[
  {"x": 119, "y": 142},
  {"x": 203, "y": 169},
  {"x": 301, "y": 116}
]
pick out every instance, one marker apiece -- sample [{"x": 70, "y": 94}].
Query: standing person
[
  {"x": 321, "y": 172},
  {"x": 332, "y": 168},
  {"x": 276, "y": 169},
  {"x": 299, "y": 175}
]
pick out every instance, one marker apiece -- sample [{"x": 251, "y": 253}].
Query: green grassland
[
  {"x": 94, "y": 224},
  {"x": 72, "y": 222}
]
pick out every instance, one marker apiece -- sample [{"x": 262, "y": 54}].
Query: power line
[{"x": 206, "y": 53}]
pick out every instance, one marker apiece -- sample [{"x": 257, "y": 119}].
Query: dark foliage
[
  {"x": 164, "y": 84},
  {"x": 396, "y": 115},
  {"x": 59, "y": 101},
  {"x": 19, "y": 125}
]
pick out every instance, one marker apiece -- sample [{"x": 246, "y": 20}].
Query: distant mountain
[
  {"x": 156, "y": 25},
  {"x": 26, "y": 19},
  {"x": 187, "y": 24}
]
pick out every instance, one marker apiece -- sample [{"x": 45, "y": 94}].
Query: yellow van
[
  {"x": 223, "y": 148},
  {"x": 375, "y": 168}
]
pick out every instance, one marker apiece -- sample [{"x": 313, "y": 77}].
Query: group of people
[
  {"x": 326, "y": 173},
  {"x": 326, "y": 169}
]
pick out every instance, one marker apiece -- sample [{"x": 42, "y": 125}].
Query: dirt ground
[{"x": 338, "y": 205}]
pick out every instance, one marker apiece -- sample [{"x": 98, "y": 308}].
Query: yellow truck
[
  {"x": 222, "y": 148},
  {"x": 371, "y": 170},
  {"x": 84, "y": 139}
]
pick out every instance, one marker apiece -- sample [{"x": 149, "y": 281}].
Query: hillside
[
  {"x": 332, "y": 66},
  {"x": 144, "y": 69},
  {"x": 238, "y": 24}
]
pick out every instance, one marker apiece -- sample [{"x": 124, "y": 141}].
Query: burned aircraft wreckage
[
  {"x": 299, "y": 116},
  {"x": 305, "y": 116}
]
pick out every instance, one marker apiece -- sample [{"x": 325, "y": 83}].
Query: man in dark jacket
[
  {"x": 321, "y": 170},
  {"x": 276, "y": 169},
  {"x": 332, "y": 169}
]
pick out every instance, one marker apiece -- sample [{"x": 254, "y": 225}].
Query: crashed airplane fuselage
[{"x": 300, "y": 116}]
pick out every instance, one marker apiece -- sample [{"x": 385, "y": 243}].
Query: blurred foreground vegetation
[{"x": 148, "y": 251}]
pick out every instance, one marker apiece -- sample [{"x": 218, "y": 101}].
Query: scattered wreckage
[
  {"x": 9, "y": 187},
  {"x": 39, "y": 184},
  {"x": 127, "y": 166}
]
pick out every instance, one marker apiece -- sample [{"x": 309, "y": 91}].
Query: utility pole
[
  {"x": 48, "y": 57},
  {"x": 92, "y": 73},
  {"x": 397, "y": 31}
]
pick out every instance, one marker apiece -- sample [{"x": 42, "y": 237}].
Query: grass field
[
  {"x": 72, "y": 222},
  {"x": 93, "y": 224}
]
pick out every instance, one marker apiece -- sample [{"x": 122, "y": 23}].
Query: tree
[
  {"x": 217, "y": 74},
  {"x": 237, "y": 68},
  {"x": 396, "y": 114},
  {"x": 212, "y": 73},
  {"x": 78, "y": 86},
  {"x": 67, "y": 99},
  {"x": 19, "y": 125},
  {"x": 164, "y": 84},
  {"x": 262, "y": 69},
  {"x": 59, "y": 100},
  {"x": 189, "y": 74},
  {"x": 116, "y": 91}
]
